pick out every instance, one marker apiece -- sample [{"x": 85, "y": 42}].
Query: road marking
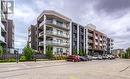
[{"x": 125, "y": 68}]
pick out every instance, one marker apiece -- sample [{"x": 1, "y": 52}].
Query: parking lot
[{"x": 96, "y": 69}]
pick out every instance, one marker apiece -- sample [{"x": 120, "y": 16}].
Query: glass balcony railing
[
  {"x": 52, "y": 42},
  {"x": 57, "y": 43},
  {"x": 2, "y": 39},
  {"x": 57, "y": 34},
  {"x": 60, "y": 25}
]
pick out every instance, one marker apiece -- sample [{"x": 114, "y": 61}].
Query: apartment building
[
  {"x": 32, "y": 36},
  {"x": 6, "y": 29},
  {"x": 95, "y": 41},
  {"x": 66, "y": 36},
  {"x": 77, "y": 35},
  {"x": 10, "y": 34},
  {"x": 3, "y": 23},
  {"x": 53, "y": 29},
  {"x": 110, "y": 45}
]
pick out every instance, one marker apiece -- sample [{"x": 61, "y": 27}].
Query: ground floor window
[{"x": 59, "y": 50}]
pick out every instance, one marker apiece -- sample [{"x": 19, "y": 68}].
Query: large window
[{"x": 59, "y": 50}]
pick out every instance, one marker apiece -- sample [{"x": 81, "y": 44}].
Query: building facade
[
  {"x": 95, "y": 41},
  {"x": 68, "y": 37},
  {"x": 77, "y": 36},
  {"x": 54, "y": 30},
  {"x": 32, "y": 36},
  {"x": 6, "y": 28},
  {"x": 3, "y": 24}
]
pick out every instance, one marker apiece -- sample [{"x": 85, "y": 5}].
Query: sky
[{"x": 111, "y": 17}]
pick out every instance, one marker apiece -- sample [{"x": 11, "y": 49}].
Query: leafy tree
[
  {"x": 1, "y": 50},
  {"x": 49, "y": 52},
  {"x": 28, "y": 52},
  {"x": 128, "y": 52},
  {"x": 75, "y": 52},
  {"x": 82, "y": 52}
]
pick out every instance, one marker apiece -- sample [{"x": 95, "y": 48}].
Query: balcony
[
  {"x": 90, "y": 47},
  {"x": 96, "y": 43},
  {"x": 3, "y": 17},
  {"x": 3, "y": 27},
  {"x": 41, "y": 43},
  {"x": 100, "y": 39},
  {"x": 96, "y": 37},
  {"x": 41, "y": 24},
  {"x": 54, "y": 43},
  {"x": 57, "y": 25},
  {"x": 2, "y": 39},
  {"x": 90, "y": 41},
  {"x": 41, "y": 33},
  {"x": 89, "y": 34},
  {"x": 100, "y": 44},
  {"x": 54, "y": 33}
]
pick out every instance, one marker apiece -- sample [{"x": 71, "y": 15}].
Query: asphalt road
[{"x": 97, "y": 69}]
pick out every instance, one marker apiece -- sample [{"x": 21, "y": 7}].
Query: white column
[
  {"x": 86, "y": 41},
  {"x": 78, "y": 38},
  {"x": 110, "y": 45},
  {"x": 44, "y": 36},
  {"x": 70, "y": 37}
]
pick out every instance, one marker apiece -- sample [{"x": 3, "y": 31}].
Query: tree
[
  {"x": 49, "y": 52},
  {"x": 81, "y": 52},
  {"x": 28, "y": 52},
  {"x": 75, "y": 52},
  {"x": 1, "y": 50},
  {"x": 128, "y": 52}
]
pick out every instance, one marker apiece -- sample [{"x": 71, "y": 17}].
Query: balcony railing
[
  {"x": 2, "y": 39},
  {"x": 41, "y": 43},
  {"x": 49, "y": 42},
  {"x": 90, "y": 41},
  {"x": 57, "y": 34},
  {"x": 57, "y": 24},
  {"x": 90, "y": 47},
  {"x": 96, "y": 37},
  {"x": 89, "y": 34},
  {"x": 2, "y": 26},
  {"x": 41, "y": 33},
  {"x": 41, "y": 24},
  {"x": 57, "y": 43}
]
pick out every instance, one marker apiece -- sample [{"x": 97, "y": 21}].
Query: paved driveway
[{"x": 97, "y": 69}]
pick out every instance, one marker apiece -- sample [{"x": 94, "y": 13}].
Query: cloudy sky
[{"x": 110, "y": 16}]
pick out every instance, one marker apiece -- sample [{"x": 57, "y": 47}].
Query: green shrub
[
  {"x": 28, "y": 52},
  {"x": 60, "y": 57},
  {"x": 49, "y": 52},
  {"x": 10, "y": 60},
  {"x": 22, "y": 58}
]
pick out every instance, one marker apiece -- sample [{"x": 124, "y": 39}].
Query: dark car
[
  {"x": 83, "y": 58},
  {"x": 73, "y": 58}
]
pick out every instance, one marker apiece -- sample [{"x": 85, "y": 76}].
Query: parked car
[
  {"x": 89, "y": 57},
  {"x": 104, "y": 57},
  {"x": 94, "y": 57},
  {"x": 83, "y": 58},
  {"x": 73, "y": 58},
  {"x": 99, "y": 57},
  {"x": 111, "y": 57}
]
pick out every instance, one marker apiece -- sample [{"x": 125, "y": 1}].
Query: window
[
  {"x": 59, "y": 32},
  {"x": 75, "y": 35},
  {"x": 59, "y": 50},
  {"x": 59, "y": 23},
  {"x": 82, "y": 37}
]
